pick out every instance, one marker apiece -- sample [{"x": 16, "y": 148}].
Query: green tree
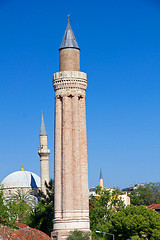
[
  {"x": 19, "y": 207},
  {"x": 5, "y": 217},
  {"x": 42, "y": 217},
  {"x": 135, "y": 221},
  {"x": 78, "y": 235},
  {"x": 48, "y": 198},
  {"x": 135, "y": 238},
  {"x": 101, "y": 209},
  {"x": 146, "y": 194},
  {"x": 3, "y": 210}
]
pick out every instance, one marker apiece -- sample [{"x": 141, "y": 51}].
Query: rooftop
[
  {"x": 24, "y": 232},
  {"x": 154, "y": 206}
]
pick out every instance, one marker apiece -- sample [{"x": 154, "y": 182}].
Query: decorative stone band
[
  {"x": 72, "y": 214},
  {"x": 71, "y": 224},
  {"x": 66, "y": 82}
]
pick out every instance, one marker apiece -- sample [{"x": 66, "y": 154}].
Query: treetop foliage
[
  {"x": 48, "y": 197},
  {"x": 135, "y": 221},
  {"x": 146, "y": 194},
  {"x": 14, "y": 209},
  {"x": 102, "y": 207},
  {"x": 108, "y": 215}
]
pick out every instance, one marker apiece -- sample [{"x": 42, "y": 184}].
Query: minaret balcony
[
  {"x": 71, "y": 79},
  {"x": 44, "y": 152}
]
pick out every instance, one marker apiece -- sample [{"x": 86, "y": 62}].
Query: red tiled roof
[
  {"x": 21, "y": 225},
  {"x": 23, "y": 233},
  {"x": 154, "y": 206}
]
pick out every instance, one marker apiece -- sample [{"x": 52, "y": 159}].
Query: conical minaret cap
[
  {"x": 69, "y": 40},
  {"x": 43, "y": 129},
  {"x": 101, "y": 177}
]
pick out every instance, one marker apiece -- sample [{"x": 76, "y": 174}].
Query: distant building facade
[{"x": 132, "y": 187}]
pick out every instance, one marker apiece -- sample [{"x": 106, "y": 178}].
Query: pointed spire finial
[
  {"x": 43, "y": 129},
  {"x": 101, "y": 177},
  {"x": 69, "y": 40}
]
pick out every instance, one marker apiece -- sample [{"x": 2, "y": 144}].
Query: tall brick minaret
[
  {"x": 44, "y": 156},
  {"x": 70, "y": 150}
]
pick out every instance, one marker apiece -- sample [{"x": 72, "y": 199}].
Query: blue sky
[{"x": 120, "y": 52}]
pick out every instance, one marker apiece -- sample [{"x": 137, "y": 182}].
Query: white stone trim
[{"x": 69, "y": 80}]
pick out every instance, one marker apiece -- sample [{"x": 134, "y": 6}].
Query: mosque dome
[{"x": 21, "y": 179}]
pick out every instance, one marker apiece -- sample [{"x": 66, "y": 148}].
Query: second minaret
[{"x": 44, "y": 156}]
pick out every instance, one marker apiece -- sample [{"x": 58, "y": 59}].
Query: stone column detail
[
  {"x": 77, "y": 187},
  {"x": 83, "y": 156},
  {"x": 58, "y": 158},
  {"x": 67, "y": 191}
]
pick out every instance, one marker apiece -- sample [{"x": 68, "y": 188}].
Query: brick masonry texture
[
  {"x": 70, "y": 163},
  {"x": 69, "y": 60}
]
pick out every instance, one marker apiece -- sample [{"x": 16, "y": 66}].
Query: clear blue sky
[{"x": 120, "y": 52}]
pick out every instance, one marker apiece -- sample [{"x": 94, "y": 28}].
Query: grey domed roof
[{"x": 21, "y": 179}]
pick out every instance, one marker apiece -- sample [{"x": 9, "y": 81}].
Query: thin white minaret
[{"x": 44, "y": 156}]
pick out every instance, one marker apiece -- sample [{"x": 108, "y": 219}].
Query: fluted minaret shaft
[
  {"x": 70, "y": 152},
  {"x": 44, "y": 156}
]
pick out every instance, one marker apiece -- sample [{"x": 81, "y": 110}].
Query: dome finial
[{"x": 22, "y": 169}]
